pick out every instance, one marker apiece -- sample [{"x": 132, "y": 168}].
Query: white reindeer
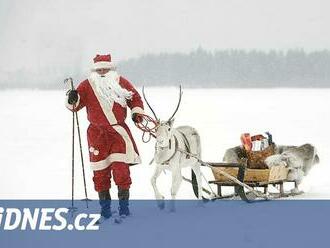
[{"x": 169, "y": 142}]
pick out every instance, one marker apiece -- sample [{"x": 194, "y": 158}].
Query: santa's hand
[
  {"x": 72, "y": 97},
  {"x": 137, "y": 118}
]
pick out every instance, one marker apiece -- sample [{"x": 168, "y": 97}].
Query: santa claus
[{"x": 106, "y": 96}]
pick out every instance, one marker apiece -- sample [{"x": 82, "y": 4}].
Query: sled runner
[
  {"x": 255, "y": 178},
  {"x": 247, "y": 182}
]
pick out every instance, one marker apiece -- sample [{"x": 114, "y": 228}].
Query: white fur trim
[
  {"x": 130, "y": 157},
  {"x": 137, "y": 110},
  {"x": 106, "y": 106},
  {"x": 70, "y": 106},
  {"x": 103, "y": 65},
  {"x": 114, "y": 157},
  {"x": 130, "y": 152}
]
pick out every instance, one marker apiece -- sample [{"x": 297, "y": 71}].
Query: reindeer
[{"x": 169, "y": 142}]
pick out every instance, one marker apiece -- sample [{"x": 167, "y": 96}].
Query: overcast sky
[{"x": 33, "y": 32}]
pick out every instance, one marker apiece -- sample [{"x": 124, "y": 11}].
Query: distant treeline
[
  {"x": 232, "y": 68},
  {"x": 199, "y": 68}
]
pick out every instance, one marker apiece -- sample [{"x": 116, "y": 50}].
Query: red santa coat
[{"x": 109, "y": 138}]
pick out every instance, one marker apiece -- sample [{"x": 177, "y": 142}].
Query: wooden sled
[{"x": 255, "y": 178}]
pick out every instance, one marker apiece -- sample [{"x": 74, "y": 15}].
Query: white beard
[{"x": 108, "y": 88}]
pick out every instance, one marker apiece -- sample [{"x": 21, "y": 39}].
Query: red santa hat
[{"x": 103, "y": 62}]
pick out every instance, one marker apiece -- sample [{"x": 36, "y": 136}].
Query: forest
[{"x": 198, "y": 69}]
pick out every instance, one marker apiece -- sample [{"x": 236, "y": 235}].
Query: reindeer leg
[
  {"x": 176, "y": 182},
  {"x": 197, "y": 170},
  {"x": 297, "y": 181},
  {"x": 159, "y": 197}
]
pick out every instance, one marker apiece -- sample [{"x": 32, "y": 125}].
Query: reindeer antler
[
  {"x": 144, "y": 96},
  {"x": 177, "y": 107}
]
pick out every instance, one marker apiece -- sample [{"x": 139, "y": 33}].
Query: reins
[{"x": 145, "y": 127}]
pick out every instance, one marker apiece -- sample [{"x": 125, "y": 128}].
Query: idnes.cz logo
[{"x": 46, "y": 219}]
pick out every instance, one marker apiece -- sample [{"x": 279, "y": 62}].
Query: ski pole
[
  {"x": 80, "y": 147},
  {"x": 72, "y": 164},
  {"x": 82, "y": 160},
  {"x": 72, "y": 208}
]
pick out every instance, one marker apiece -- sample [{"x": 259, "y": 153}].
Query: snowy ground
[{"x": 35, "y": 144}]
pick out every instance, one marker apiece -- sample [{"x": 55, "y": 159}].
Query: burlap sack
[{"x": 256, "y": 159}]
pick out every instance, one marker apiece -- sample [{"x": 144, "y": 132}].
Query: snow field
[{"x": 35, "y": 147}]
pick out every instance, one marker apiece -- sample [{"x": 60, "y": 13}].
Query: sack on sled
[{"x": 257, "y": 149}]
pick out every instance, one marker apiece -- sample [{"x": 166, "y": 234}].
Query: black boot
[
  {"x": 105, "y": 202},
  {"x": 123, "y": 196}
]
